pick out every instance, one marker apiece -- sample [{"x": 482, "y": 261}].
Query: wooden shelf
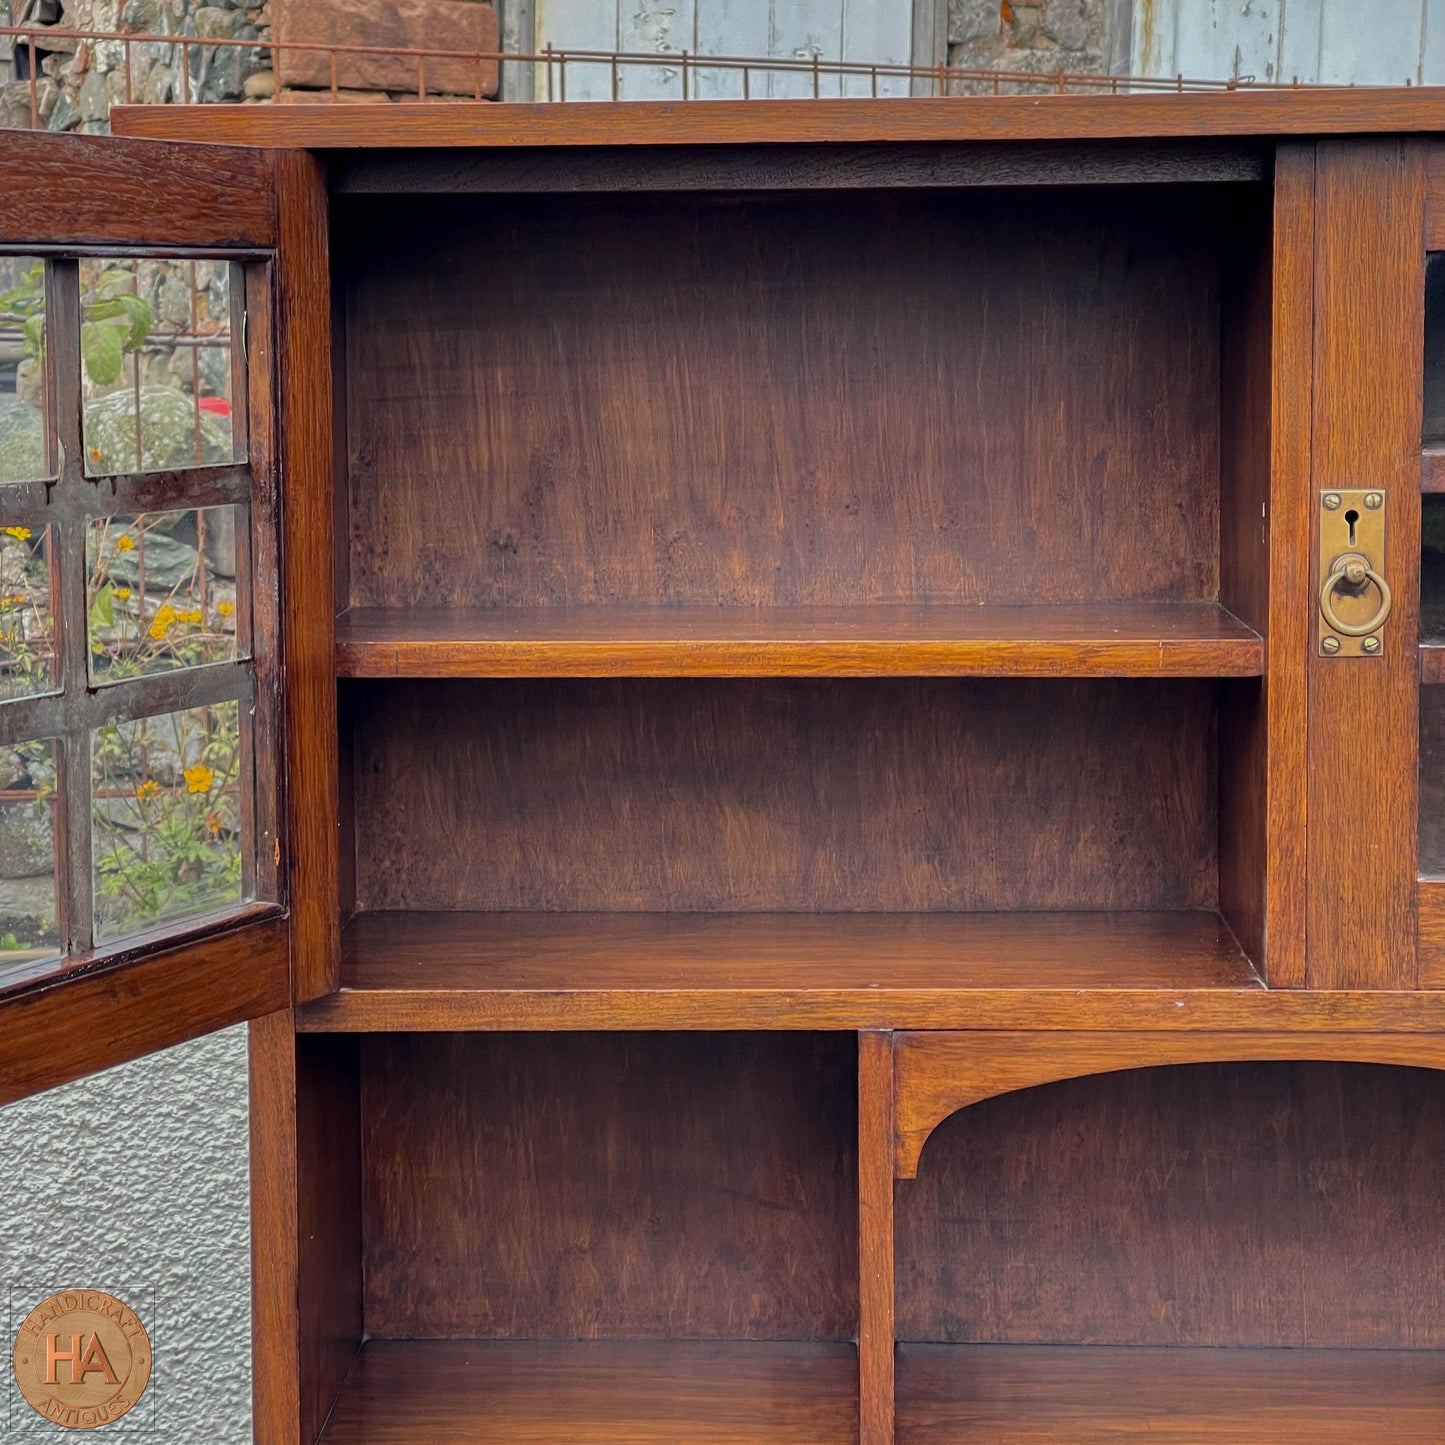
[
  {"x": 424, "y": 970},
  {"x": 1104, "y": 640},
  {"x": 461, "y": 1392},
  {"x": 1432, "y": 469},
  {"x": 1028, "y": 1395}
]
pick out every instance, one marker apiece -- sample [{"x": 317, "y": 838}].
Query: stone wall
[
  {"x": 79, "y": 81},
  {"x": 1047, "y": 35}
]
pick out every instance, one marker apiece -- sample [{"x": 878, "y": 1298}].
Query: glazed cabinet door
[
  {"x": 148, "y": 871},
  {"x": 1364, "y": 506},
  {"x": 1432, "y": 581}
]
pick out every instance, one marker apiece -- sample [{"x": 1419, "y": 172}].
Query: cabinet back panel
[
  {"x": 593, "y": 1186},
  {"x": 1243, "y": 1204},
  {"x": 783, "y": 399},
  {"x": 785, "y": 794}
]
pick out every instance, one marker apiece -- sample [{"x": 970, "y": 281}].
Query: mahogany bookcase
[{"x": 859, "y": 787}]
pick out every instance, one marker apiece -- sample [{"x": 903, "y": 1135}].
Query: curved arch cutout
[{"x": 937, "y": 1074}]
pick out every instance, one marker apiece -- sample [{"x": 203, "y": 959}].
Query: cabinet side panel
[
  {"x": 585, "y": 1186},
  {"x": 1290, "y": 606},
  {"x": 1244, "y": 471},
  {"x": 1364, "y": 712}
]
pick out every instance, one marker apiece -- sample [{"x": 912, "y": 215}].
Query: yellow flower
[
  {"x": 226, "y": 608},
  {"x": 122, "y": 594},
  {"x": 199, "y": 778},
  {"x": 125, "y": 544},
  {"x": 148, "y": 789},
  {"x": 96, "y": 454},
  {"x": 21, "y": 534},
  {"x": 163, "y": 619},
  {"x": 19, "y": 599},
  {"x": 192, "y": 616}
]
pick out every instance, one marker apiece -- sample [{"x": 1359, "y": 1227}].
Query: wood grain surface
[
  {"x": 68, "y": 1026},
  {"x": 104, "y": 191},
  {"x": 1322, "y": 111},
  {"x": 875, "y": 1237},
  {"x": 459, "y": 1392},
  {"x": 1111, "y": 639},
  {"x": 570, "y": 1186},
  {"x": 1435, "y": 196},
  {"x": 304, "y": 388},
  {"x": 759, "y": 796},
  {"x": 1272, "y": 1204},
  {"x": 1369, "y": 319},
  {"x": 937, "y": 1074},
  {"x": 1017, "y": 1395},
  {"x": 488, "y": 971},
  {"x": 808, "y": 166},
  {"x": 860, "y": 414},
  {"x": 1431, "y": 894}
]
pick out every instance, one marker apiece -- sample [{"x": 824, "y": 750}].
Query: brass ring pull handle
[{"x": 1354, "y": 571}]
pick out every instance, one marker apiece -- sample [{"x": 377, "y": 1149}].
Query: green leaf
[
  {"x": 102, "y": 347},
  {"x": 23, "y": 300},
  {"x": 102, "y": 609},
  {"x": 139, "y": 313},
  {"x": 34, "y": 334}
]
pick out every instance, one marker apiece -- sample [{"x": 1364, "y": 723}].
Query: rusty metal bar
[{"x": 942, "y": 78}]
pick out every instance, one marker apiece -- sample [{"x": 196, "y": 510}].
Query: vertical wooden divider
[
  {"x": 1363, "y": 757},
  {"x": 275, "y": 1248},
  {"x": 875, "y": 1237},
  {"x": 1290, "y": 613},
  {"x": 308, "y": 604}
]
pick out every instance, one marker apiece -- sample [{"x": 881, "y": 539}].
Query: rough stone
[
  {"x": 94, "y": 99},
  {"x": 325, "y": 97},
  {"x": 212, "y": 22},
  {"x": 394, "y": 25},
  {"x": 972, "y": 20},
  {"x": 64, "y": 116},
  {"x": 260, "y": 86},
  {"x": 22, "y": 444},
  {"x": 1031, "y": 39},
  {"x": 168, "y": 423},
  {"x": 145, "y": 17},
  {"x": 1072, "y": 26}
]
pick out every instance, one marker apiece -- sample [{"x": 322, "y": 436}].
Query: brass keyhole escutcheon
[{"x": 1354, "y": 598}]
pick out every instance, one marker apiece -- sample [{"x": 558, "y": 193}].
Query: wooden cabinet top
[{"x": 1245, "y": 112}]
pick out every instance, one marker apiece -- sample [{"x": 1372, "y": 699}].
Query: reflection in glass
[
  {"x": 155, "y": 350},
  {"x": 160, "y": 591},
  {"x": 27, "y": 426},
  {"x": 166, "y": 818},
  {"x": 27, "y": 614},
  {"x": 29, "y": 887}
]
